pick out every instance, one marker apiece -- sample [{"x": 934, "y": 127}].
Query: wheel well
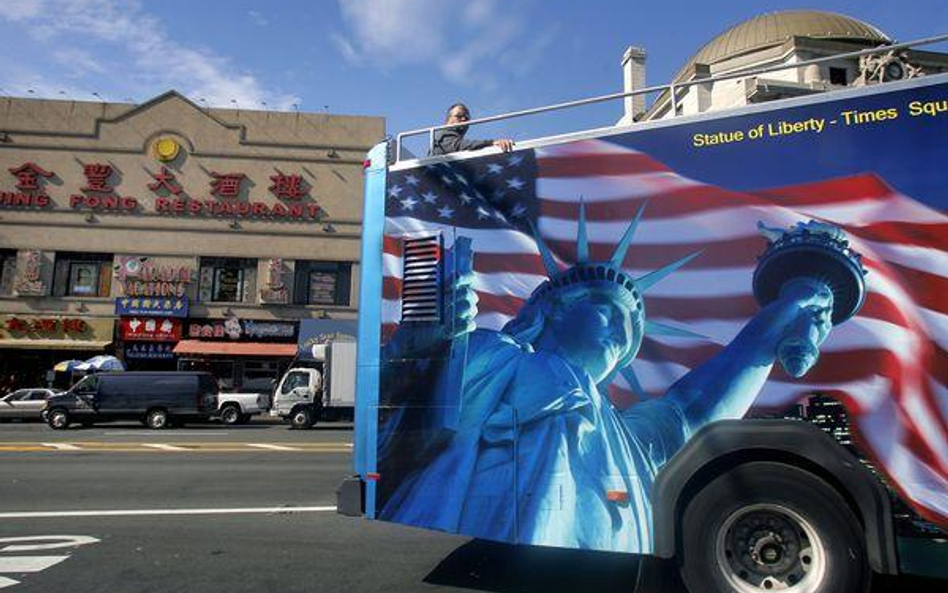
[
  {"x": 231, "y": 404},
  {"x": 299, "y": 407},
  {"x": 720, "y": 465},
  {"x": 724, "y": 445}
]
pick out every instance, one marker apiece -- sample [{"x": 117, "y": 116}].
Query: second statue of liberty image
[{"x": 524, "y": 444}]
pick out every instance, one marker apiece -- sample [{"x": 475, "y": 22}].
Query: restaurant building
[{"x": 173, "y": 235}]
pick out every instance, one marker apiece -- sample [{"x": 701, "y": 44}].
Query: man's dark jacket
[{"x": 452, "y": 140}]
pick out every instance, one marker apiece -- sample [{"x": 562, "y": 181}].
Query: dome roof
[{"x": 769, "y": 30}]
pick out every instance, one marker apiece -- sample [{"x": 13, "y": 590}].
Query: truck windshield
[{"x": 294, "y": 380}]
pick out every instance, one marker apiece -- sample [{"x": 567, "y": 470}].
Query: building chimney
[{"x": 633, "y": 78}]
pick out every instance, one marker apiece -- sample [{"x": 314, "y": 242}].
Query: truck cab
[{"x": 298, "y": 397}]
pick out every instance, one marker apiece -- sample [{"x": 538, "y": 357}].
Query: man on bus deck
[
  {"x": 537, "y": 446},
  {"x": 452, "y": 139}
]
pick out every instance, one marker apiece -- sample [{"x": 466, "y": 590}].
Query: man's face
[
  {"x": 594, "y": 333},
  {"x": 457, "y": 115}
]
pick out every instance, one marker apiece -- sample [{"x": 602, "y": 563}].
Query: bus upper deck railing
[{"x": 672, "y": 89}]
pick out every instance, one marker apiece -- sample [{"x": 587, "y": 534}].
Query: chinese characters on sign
[
  {"x": 276, "y": 290},
  {"x": 150, "y": 329},
  {"x": 28, "y": 175},
  {"x": 140, "y": 351},
  {"x": 99, "y": 194},
  {"x": 97, "y": 177},
  {"x": 30, "y": 280},
  {"x": 165, "y": 179},
  {"x": 46, "y": 325},
  {"x": 226, "y": 185},
  {"x": 27, "y": 182},
  {"x": 289, "y": 187},
  {"x": 155, "y": 307},
  {"x": 235, "y": 329},
  {"x": 103, "y": 196}
]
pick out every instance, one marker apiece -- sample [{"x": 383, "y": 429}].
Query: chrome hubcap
[{"x": 768, "y": 547}]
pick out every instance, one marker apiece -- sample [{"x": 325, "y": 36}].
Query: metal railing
[{"x": 672, "y": 88}]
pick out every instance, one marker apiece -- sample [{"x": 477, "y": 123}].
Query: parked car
[
  {"x": 157, "y": 399},
  {"x": 237, "y": 408},
  {"x": 25, "y": 404}
]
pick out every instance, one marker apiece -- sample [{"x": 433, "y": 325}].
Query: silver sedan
[{"x": 25, "y": 404}]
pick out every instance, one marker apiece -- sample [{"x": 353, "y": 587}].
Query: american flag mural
[{"x": 888, "y": 365}]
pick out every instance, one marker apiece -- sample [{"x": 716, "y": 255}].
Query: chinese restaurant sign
[{"x": 227, "y": 194}]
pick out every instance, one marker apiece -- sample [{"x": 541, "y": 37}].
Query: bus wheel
[{"x": 766, "y": 526}]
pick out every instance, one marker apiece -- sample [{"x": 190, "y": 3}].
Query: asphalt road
[{"x": 209, "y": 508}]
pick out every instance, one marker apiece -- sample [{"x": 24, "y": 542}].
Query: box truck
[
  {"x": 320, "y": 384},
  {"x": 719, "y": 339}
]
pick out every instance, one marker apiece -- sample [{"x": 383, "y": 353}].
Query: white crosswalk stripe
[{"x": 29, "y": 564}]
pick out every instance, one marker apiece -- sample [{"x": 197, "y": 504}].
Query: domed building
[{"x": 780, "y": 38}]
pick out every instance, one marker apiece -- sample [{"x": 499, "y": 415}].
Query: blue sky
[{"x": 405, "y": 60}]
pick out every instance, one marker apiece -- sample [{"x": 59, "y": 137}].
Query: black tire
[
  {"x": 302, "y": 418},
  {"x": 230, "y": 414},
  {"x": 157, "y": 419},
  {"x": 764, "y": 526},
  {"x": 58, "y": 419}
]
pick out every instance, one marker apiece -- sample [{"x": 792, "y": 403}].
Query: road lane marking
[
  {"x": 164, "y": 447},
  {"x": 54, "y": 542},
  {"x": 143, "y": 433},
  {"x": 272, "y": 447},
  {"x": 26, "y": 564},
  {"x": 147, "y": 512},
  {"x": 62, "y": 446}
]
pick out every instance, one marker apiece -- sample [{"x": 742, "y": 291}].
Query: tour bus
[{"x": 719, "y": 339}]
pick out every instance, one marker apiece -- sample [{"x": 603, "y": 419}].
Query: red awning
[{"x": 235, "y": 348}]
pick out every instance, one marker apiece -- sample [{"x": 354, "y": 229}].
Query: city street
[{"x": 210, "y": 508}]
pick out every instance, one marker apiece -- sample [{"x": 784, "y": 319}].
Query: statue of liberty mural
[{"x": 537, "y": 453}]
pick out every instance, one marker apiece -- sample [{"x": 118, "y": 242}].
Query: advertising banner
[
  {"x": 236, "y": 329},
  {"x": 628, "y": 289}
]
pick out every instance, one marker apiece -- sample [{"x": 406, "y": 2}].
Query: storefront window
[
  {"x": 227, "y": 280},
  {"x": 260, "y": 375},
  {"x": 7, "y": 270},
  {"x": 223, "y": 370},
  {"x": 85, "y": 274},
  {"x": 322, "y": 283}
]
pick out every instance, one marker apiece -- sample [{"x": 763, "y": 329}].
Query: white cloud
[
  {"x": 258, "y": 18},
  {"x": 458, "y": 38},
  {"x": 78, "y": 62},
  {"x": 135, "y": 42}
]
